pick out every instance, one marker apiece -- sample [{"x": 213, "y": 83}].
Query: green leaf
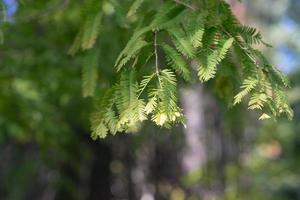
[
  {"x": 132, "y": 48},
  {"x": 163, "y": 103},
  {"x": 257, "y": 101},
  {"x": 182, "y": 43},
  {"x": 144, "y": 83},
  {"x": 208, "y": 67},
  {"x": 167, "y": 16},
  {"x": 264, "y": 116},
  {"x": 248, "y": 85},
  {"x": 90, "y": 74},
  {"x": 196, "y": 28},
  {"x": 134, "y": 7},
  {"x": 91, "y": 30},
  {"x": 131, "y": 108},
  {"x": 100, "y": 131},
  {"x": 177, "y": 62}
]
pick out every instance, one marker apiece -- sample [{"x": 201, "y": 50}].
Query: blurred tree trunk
[{"x": 206, "y": 147}]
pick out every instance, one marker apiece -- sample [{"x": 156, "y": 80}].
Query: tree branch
[
  {"x": 155, "y": 52},
  {"x": 156, "y": 57},
  {"x": 246, "y": 50}
]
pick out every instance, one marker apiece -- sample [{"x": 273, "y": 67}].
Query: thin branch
[
  {"x": 156, "y": 57},
  {"x": 185, "y": 4},
  {"x": 243, "y": 48},
  {"x": 155, "y": 52}
]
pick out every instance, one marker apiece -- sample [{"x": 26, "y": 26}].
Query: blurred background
[{"x": 224, "y": 153}]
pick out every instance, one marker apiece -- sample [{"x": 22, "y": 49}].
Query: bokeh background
[{"x": 224, "y": 153}]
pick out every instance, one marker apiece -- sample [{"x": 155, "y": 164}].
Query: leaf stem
[
  {"x": 155, "y": 52},
  {"x": 156, "y": 57}
]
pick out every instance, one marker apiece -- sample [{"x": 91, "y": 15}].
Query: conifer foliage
[{"x": 177, "y": 34}]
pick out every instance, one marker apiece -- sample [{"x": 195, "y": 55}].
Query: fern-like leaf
[
  {"x": 177, "y": 62},
  {"x": 182, "y": 43},
  {"x": 167, "y": 16},
  {"x": 145, "y": 82},
  {"x": 248, "y": 85},
  {"x": 208, "y": 68},
  {"x": 76, "y": 46},
  {"x": 251, "y": 35},
  {"x": 90, "y": 74},
  {"x": 166, "y": 111},
  {"x": 134, "y": 7},
  {"x": 131, "y": 108},
  {"x": 90, "y": 28},
  {"x": 105, "y": 119},
  {"x": 98, "y": 128},
  {"x": 132, "y": 52},
  {"x": 195, "y": 28},
  {"x": 257, "y": 101},
  {"x": 91, "y": 31},
  {"x": 264, "y": 116},
  {"x": 152, "y": 103}
]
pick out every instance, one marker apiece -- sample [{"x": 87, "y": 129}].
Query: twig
[
  {"x": 155, "y": 52},
  {"x": 185, "y": 4},
  {"x": 243, "y": 48},
  {"x": 156, "y": 57}
]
